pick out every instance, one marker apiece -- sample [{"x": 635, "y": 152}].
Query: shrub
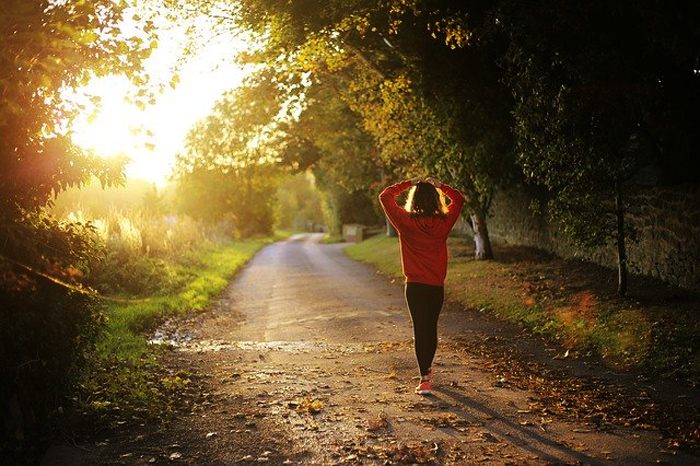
[
  {"x": 45, "y": 333},
  {"x": 46, "y": 323}
]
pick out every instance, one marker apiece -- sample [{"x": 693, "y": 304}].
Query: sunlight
[
  {"x": 151, "y": 137},
  {"x": 113, "y": 130}
]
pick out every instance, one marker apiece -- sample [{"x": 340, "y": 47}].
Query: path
[{"x": 308, "y": 359}]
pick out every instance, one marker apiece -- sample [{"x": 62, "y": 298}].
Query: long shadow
[{"x": 525, "y": 439}]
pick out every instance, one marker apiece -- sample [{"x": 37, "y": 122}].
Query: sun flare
[
  {"x": 114, "y": 128},
  {"x": 152, "y": 136}
]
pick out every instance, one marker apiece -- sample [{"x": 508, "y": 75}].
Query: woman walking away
[{"x": 423, "y": 227}]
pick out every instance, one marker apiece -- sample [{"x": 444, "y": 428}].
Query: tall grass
[{"x": 142, "y": 254}]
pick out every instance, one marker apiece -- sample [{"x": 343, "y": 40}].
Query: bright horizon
[{"x": 122, "y": 128}]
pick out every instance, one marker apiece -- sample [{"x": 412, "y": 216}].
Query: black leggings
[{"x": 424, "y": 304}]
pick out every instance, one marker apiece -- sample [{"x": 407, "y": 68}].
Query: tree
[
  {"x": 298, "y": 204},
  {"x": 344, "y": 161},
  {"x": 229, "y": 170},
  {"x": 588, "y": 106},
  {"x": 390, "y": 62},
  {"x": 48, "y": 48},
  {"x": 461, "y": 109}
]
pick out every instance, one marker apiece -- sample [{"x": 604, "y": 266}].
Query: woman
[{"x": 423, "y": 227}]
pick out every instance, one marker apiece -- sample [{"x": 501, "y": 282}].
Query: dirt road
[{"x": 308, "y": 359}]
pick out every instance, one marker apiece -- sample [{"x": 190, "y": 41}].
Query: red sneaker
[
  {"x": 426, "y": 384},
  {"x": 425, "y": 388}
]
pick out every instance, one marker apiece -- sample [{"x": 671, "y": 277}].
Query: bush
[
  {"x": 45, "y": 333},
  {"x": 46, "y": 322}
]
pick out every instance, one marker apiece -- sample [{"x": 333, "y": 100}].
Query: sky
[{"x": 203, "y": 79}]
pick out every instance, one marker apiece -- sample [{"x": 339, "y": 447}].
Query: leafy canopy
[{"x": 46, "y": 49}]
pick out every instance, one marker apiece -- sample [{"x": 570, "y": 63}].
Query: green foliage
[
  {"x": 138, "y": 251},
  {"x": 592, "y": 93},
  {"x": 574, "y": 134},
  {"x": 47, "y": 49},
  {"x": 243, "y": 199},
  {"x": 441, "y": 107},
  {"x": 135, "y": 235},
  {"x": 383, "y": 92},
  {"x": 298, "y": 204},
  {"x": 343, "y": 207},
  {"x": 592, "y": 109},
  {"x": 228, "y": 173},
  {"x": 409, "y": 78},
  {"x": 345, "y": 153},
  {"x": 327, "y": 138},
  {"x": 45, "y": 334},
  {"x": 39, "y": 244},
  {"x": 45, "y": 324}
]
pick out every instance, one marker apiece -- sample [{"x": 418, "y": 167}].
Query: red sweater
[{"x": 423, "y": 240}]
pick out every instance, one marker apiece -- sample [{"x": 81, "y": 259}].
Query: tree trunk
[
  {"x": 390, "y": 230},
  {"x": 621, "y": 245},
  {"x": 482, "y": 241}
]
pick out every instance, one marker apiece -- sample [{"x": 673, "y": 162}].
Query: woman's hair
[{"x": 424, "y": 200}]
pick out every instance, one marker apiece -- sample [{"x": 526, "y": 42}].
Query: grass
[
  {"x": 329, "y": 238},
  {"x": 380, "y": 250},
  {"x": 123, "y": 378},
  {"x": 212, "y": 270},
  {"x": 656, "y": 329}
]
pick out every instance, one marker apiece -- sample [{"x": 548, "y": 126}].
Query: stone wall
[
  {"x": 354, "y": 233},
  {"x": 667, "y": 221}
]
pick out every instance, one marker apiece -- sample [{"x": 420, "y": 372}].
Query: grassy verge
[
  {"x": 655, "y": 329},
  {"x": 124, "y": 379},
  {"x": 380, "y": 250},
  {"x": 331, "y": 239}
]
